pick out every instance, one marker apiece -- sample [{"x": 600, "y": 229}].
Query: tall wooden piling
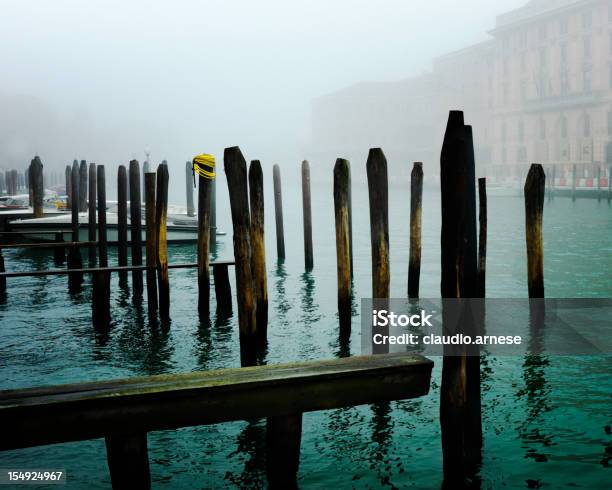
[
  {"x": 189, "y": 182},
  {"x": 379, "y": 221},
  {"x": 460, "y": 390},
  {"x": 534, "y": 210},
  {"x": 258, "y": 247},
  {"x": 28, "y": 185},
  {"x": 278, "y": 210},
  {"x": 341, "y": 211},
  {"x": 482, "y": 237},
  {"x": 68, "y": 184},
  {"x": 128, "y": 460},
  {"x": 416, "y": 204},
  {"x": 91, "y": 207},
  {"x": 213, "y": 214},
  {"x": 307, "y": 214},
  {"x": 204, "y": 191},
  {"x": 59, "y": 256},
  {"x": 283, "y": 440},
  {"x": 236, "y": 174},
  {"x": 100, "y": 300},
  {"x": 37, "y": 190},
  {"x": 151, "y": 241},
  {"x": 83, "y": 187},
  {"x": 74, "y": 254},
  {"x": 223, "y": 290},
  {"x": 135, "y": 225},
  {"x": 350, "y": 216},
  {"x": 122, "y": 221},
  {"x": 161, "y": 248},
  {"x": 574, "y": 182}
]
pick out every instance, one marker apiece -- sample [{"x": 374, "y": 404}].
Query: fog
[{"x": 102, "y": 81}]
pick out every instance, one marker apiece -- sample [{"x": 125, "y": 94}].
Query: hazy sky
[{"x": 190, "y": 76}]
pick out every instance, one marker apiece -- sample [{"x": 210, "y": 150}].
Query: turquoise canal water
[{"x": 546, "y": 423}]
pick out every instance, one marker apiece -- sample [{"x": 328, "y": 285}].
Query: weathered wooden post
[
  {"x": 236, "y": 173},
  {"x": 213, "y": 214},
  {"x": 416, "y": 204},
  {"x": 128, "y": 460},
  {"x": 37, "y": 190},
  {"x": 161, "y": 211},
  {"x": 83, "y": 187},
  {"x": 574, "y": 182},
  {"x": 74, "y": 253},
  {"x": 283, "y": 440},
  {"x": 58, "y": 252},
  {"x": 258, "y": 246},
  {"x": 28, "y": 185},
  {"x": 379, "y": 222},
  {"x": 100, "y": 298},
  {"x": 341, "y": 205},
  {"x": 189, "y": 182},
  {"x": 204, "y": 166},
  {"x": 278, "y": 209},
  {"x": 223, "y": 290},
  {"x": 534, "y": 209},
  {"x": 460, "y": 390},
  {"x": 151, "y": 242},
  {"x": 69, "y": 186},
  {"x": 350, "y": 216},
  {"x": 135, "y": 225},
  {"x": 91, "y": 207},
  {"x": 482, "y": 237},
  {"x": 122, "y": 221},
  {"x": 307, "y": 214}
]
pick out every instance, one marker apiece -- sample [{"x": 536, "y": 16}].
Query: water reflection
[{"x": 251, "y": 448}]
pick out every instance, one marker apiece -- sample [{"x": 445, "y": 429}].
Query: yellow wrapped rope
[{"x": 204, "y": 165}]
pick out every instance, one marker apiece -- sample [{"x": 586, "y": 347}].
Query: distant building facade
[{"x": 540, "y": 90}]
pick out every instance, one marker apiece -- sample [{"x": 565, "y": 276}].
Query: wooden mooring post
[
  {"x": 37, "y": 190},
  {"x": 350, "y": 216},
  {"x": 135, "y": 225},
  {"x": 258, "y": 247},
  {"x": 223, "y": 290},
  {"x": 482, "y": 237},
  {"x": 416, "y": 205},
  {"x": 151, "y": 241},
  {"x": 161, "y": 247},
  {"x": 83, "y": 186},
  {"x": 534, "y": 210},
  {"x": 128, "y": 460},
  {"x": 74, "y": 253},
  {"x": 213, "y": 215},
  {"x": 236, "y": 174},
  {"x": 307, "y": 214},
  {"x": 100, "y": 298},
  {"x": 122, "y": 222},
  {"x": 204, "y": 194},
  {"x": 278, "y": 211},
  {"x": 59, "y": 254},
  {"x": 283, "y": 440},
  {"x": 91, "y": 208},
  {"x": 189, "y": 183},
  {"x": 460, "y": 390},
  {"x": 341, "y": 212}
]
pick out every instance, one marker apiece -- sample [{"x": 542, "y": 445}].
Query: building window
[
  {"x": 586, "y": 129},
  {"x": 586, "y": 80},
  {"x": 587, "y": 19},
  {"x": 542, "y": 32},
  {"x": 563, "y": 124},
  {"x": 563, "y": 26},
  {"x": 521, "y": 131},
  {"x": 587, "y": 47},
  {"x": 542, "y": 128}
]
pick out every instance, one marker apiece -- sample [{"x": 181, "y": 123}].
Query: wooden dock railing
[{"x": 123, "y": 411}]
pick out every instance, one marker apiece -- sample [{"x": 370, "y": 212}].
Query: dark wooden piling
[
  {"x": 161, "y": 247},
  {"x": 482, "y": 238},
  {"x": 69, "y": 185},
  {"x": 350, "y": 216},
  {"x": 135, "y": 225},
  {"x": 189, "y": 182},
  {"x": 74, "y": 254},
  {"x": 91, "y": 207},
  {"x": 122, "y": 221},
  {"x": 151, "y": 241},
  {"x": 223, "y": 290},
  {"x": 283, "y": 440},
  {"x": 341, "y": 205},
  {"x": 379, "y": 221},
  {"x": 128, "y": 460},
  {"x": 258, "y": 247},
  {"x": 100, "y": 298},
  {"x": 236, "y": 174},
  {"x": 83, "y": 187},
  {"x": 460, "y": 390},
  {"x": 574, "y": 182},
  {"x": 59, "y": 253},
  {"x": 2, "y": 278},
  {"x": 278, "y": 210},
  {"x": 37, "y": 190},
  {"x": 204, "y": 194},
  {"x": 28, "y": 185},
  {"x": 416, "y": 204},
  {"x": 213, "y": 214},
  {"x": 307, "y": 214},
  {"x": 534, "y": 210}
]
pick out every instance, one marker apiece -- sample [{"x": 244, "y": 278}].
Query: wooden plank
[
  {"x": 48, "y": 415},
  {"x": 48, "y": 245}
]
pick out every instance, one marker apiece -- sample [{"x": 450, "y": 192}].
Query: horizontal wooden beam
[
  {"x": 48, "y": 415},
  {"x": 64, "y": 231},
  {"x": 48, "y": 245},
  {"x": 126, "y": 268}
]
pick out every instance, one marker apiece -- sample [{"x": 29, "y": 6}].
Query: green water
[{"x": 544, "y": 420}]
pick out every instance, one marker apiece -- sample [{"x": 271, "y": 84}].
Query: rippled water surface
[{"x": 546, "y": 420}]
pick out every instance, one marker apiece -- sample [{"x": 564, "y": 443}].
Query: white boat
[{"x": 180, "y": 227}]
